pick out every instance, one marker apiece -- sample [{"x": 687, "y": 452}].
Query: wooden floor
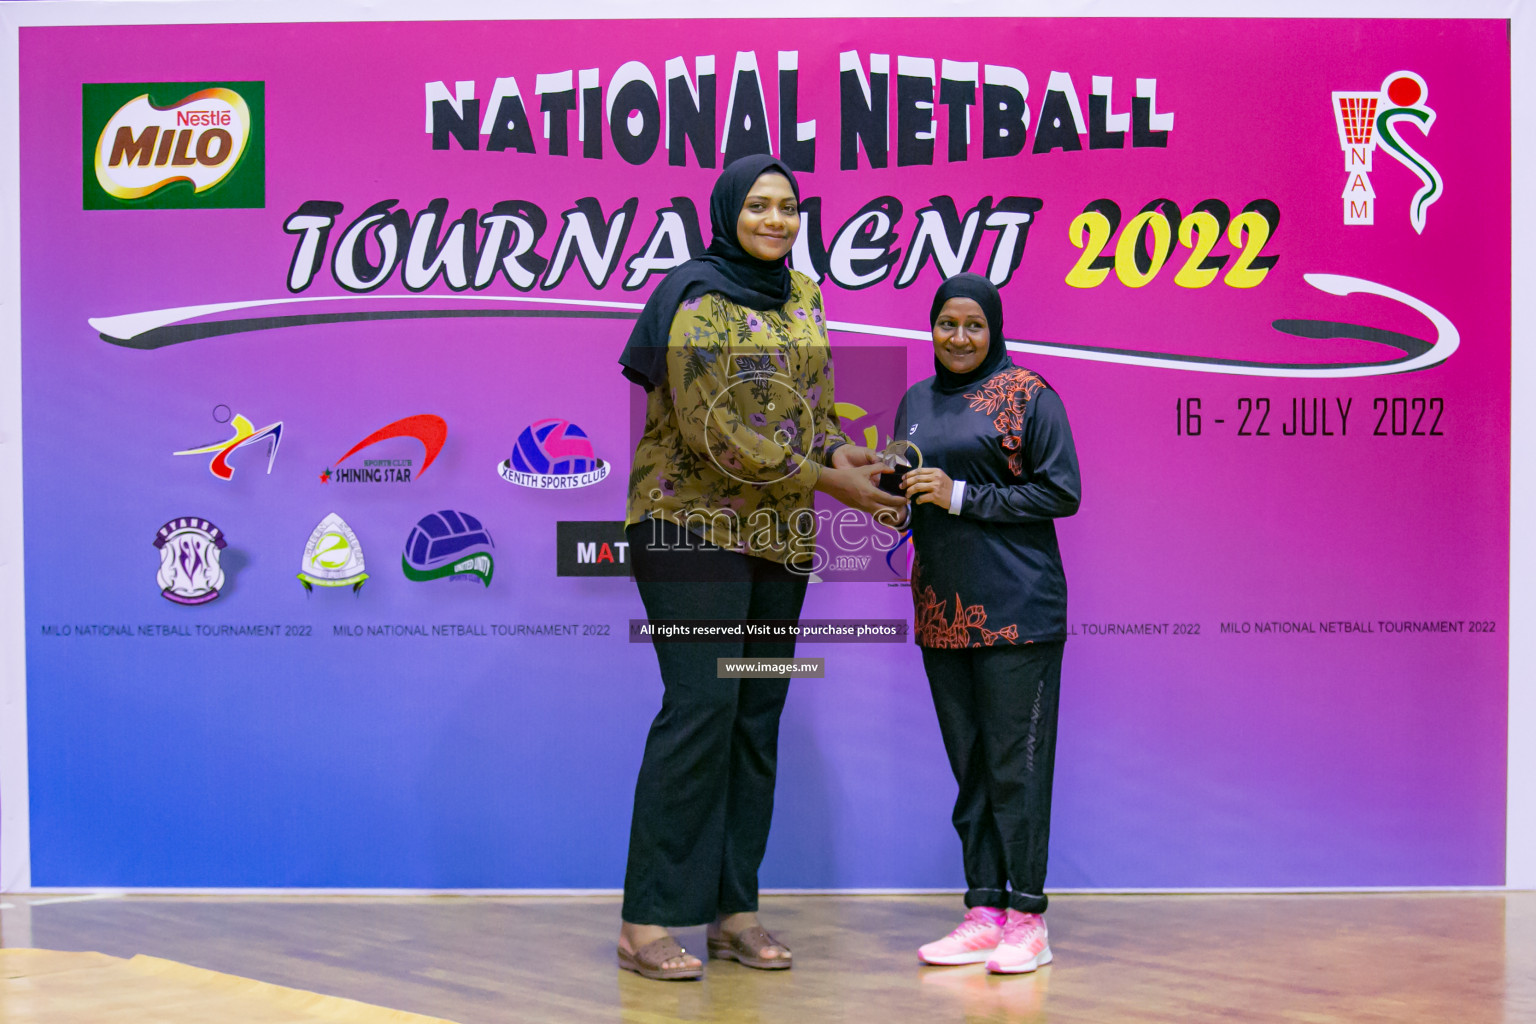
[{"x": 1446, "y": 959}]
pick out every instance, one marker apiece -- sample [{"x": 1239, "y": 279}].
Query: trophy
[{"x": 900, "y": 456}]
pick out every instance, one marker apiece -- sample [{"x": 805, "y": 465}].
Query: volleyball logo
[
  {"x": 333, "y": 556},
  {"x": 448, "y": 543},
  {"x": 553, "y": 455},
  {"x": 189, "y": 560}
]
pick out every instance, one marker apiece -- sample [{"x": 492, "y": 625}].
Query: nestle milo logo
[{"x": 174, "y": 145}]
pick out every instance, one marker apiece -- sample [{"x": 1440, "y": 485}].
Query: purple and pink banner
[{"x": 326, "y": 439}]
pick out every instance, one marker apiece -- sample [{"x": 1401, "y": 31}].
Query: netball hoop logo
[
  {"x": 189, "y": 560},
  {"x": 197, "y": 142},
  {"x": 553, "y": 455},
  {"x": 1368, "y": 119}
]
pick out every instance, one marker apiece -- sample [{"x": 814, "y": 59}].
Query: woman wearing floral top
[{"x": 740, "y": 431}]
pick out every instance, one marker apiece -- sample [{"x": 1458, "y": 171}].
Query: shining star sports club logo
[
  {"x": 246, "y": 435},
  {"x": 189, "y": 560},
  {"x": 333, "y": 557},
  {"x": 448, "y": 544},
  {"x": 553, "y": 455},
  {"x": 174, "y": 145},
  {"x": 431, "y": 431},
  {"x": 1367, "y": 120}
]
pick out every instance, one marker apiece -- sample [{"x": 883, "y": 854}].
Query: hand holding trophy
[{"x": 899, "y": 456}]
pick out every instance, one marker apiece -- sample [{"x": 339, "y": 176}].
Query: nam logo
[
  {"x": 1366, "y": 120},
  {"x": 245, "y": 435},
  {"x": 333, "y": 557},
  {"x": 431, "y": 431},
  {"x": 174, "y": 145},
  {"x": 553, "y": 455},
  {"x": 189, "y": 560},
  {"x": 448, "y": 543}
]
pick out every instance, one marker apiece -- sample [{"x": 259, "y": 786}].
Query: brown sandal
[
  {"x": 647, "y": 961},
  {"x": 747, "y": 947}
]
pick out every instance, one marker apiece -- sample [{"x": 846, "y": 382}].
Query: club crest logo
[
  {"x": 448, "y": 543},
  {"x": 1366, "y": 120},
  {"x": 333, "y": 557},
  {"x": 245, "y": 436},
  {"x": 189, "y": 560},
  {"x": 553, "y": 455},
  {"x": 174, "y": 145},
  {"x": 431, "y": 431}
]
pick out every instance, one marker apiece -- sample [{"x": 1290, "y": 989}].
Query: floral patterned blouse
[{"x": 733, "y": 447}]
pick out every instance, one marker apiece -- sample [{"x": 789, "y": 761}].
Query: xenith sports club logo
[
  {"x": 553, "y": 455},
  {"x": 448, "y": 544},
  {"x": 1367, "y": 120},
  {"x": 174, "y": 145},
  {"x": 431, "y": 431}
]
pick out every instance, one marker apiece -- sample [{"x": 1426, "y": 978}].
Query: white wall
[
  {"x": 14, "y": 861},
  {"x": 1520, "y": 864}
]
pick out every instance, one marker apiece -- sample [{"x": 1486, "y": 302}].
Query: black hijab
[
  {"x": 725, "y": 267},
  {"x": 972, "y": 286}
]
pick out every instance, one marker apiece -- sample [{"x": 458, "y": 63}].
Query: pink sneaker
[
  {"x": 1024, "y": 946},
  {"x": 971, "y": 943}
]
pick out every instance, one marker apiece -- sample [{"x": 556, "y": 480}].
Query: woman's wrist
[
  {"x": 956, "y": 496},
  {"x": 809, "y": 473}
]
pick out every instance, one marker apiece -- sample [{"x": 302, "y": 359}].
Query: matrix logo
[
  {"x": 591, "y": 549},
  {"x": 174, "y": 145}
]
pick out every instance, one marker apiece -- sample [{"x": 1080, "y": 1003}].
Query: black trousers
[
  {"x": 997, "y": 712},
  {"x": 704, "y": 796}
]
